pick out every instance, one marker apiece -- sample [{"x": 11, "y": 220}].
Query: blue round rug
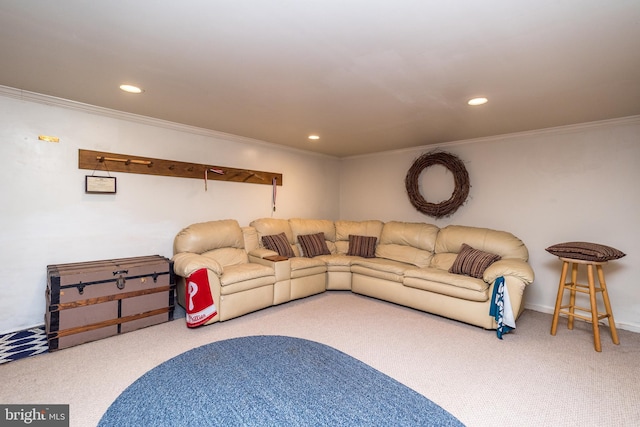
[{"x": 270, "y": 381}]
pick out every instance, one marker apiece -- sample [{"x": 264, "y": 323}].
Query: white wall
[
  {"x": 573, "y": 183},
  {"x": 46, "y": 217},
  {"x": 546, "y": 187}
]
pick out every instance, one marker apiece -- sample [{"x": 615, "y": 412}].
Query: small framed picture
[{"x": 100, "y": 184}]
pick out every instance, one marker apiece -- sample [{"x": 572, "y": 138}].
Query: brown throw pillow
[
  {"x": 313, "y": 245},
  {"x": 364, "y": 246},
  {"x": 278, "y": 243},
  {"x": 472, "y": 262},
  {"x": 585, "y": 251}
]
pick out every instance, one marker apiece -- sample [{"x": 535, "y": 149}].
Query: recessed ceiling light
[
  {"x": 477, "y": 101},
  {"x": 131, "y": 89},
  {"x": 314, "y": 137}
]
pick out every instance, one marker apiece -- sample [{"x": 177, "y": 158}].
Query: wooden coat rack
[{"x": 112, "y": 162}]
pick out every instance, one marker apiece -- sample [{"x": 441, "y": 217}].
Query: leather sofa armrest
[
  {"x": 509, "y": 267},
  {"x": 186, "y": 263},
  {"x": 282, "y": 267},
  {"x": 262, "y": 253}
]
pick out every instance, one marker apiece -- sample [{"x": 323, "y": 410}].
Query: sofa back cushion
[
  {"x": 303, "y": 227},
  {"x": 452, "y": 237},
  {"x": 221, "y": 240},
  {"x": 371, "y": 228},
  {"x": 411, "y": 243},
  {"x": 250, "y": 235},
  {"x": 273, "y": 227}
]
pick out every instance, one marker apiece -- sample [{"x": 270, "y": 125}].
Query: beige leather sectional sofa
[{"x": 410, "y": 266}]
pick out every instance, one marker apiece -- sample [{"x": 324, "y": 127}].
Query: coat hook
[{"x": 206, "y": 177}]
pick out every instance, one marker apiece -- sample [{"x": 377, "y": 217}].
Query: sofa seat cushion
[
  {"x": 404, "y": 254},
  {"x": 445, "y": 283},
  {"x": 443, "y": 261},
  {"x": 236, "y": 278},
  {"x": 239, "y": 273},
  {"x": 381, "y": 268},
  {"x": 302, "y": 266}
]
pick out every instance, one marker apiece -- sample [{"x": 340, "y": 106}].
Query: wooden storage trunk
[{"x": 87, "y": 301}]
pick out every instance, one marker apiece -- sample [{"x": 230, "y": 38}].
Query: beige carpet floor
[{"x": 528, "y": 379}]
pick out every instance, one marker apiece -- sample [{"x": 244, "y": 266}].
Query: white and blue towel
[{"x": 500, "y": 308}]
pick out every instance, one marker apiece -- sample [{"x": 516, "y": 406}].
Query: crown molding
[
  {"x": 39, "y": 98},
  {"x": 621, "y": 121}
]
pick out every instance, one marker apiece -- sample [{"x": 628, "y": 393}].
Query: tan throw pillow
[
  {"x": 313, "y": 245},
  {"x": 585, "y": 251},
  {"x": 472, "y": 262},
  {"x": 364, "y": 246},
  {"x": 278, "y": 243}
]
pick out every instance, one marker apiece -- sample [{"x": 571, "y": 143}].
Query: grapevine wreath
[{"x": 460, "y": 176}]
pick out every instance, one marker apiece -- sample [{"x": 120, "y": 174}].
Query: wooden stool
[{"x": 573, "y": 287}]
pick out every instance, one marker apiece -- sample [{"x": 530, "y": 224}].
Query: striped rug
[{"x": 17, "y": 345}]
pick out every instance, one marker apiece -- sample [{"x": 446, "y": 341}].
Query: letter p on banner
[{"x": 199, "y": 303}]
